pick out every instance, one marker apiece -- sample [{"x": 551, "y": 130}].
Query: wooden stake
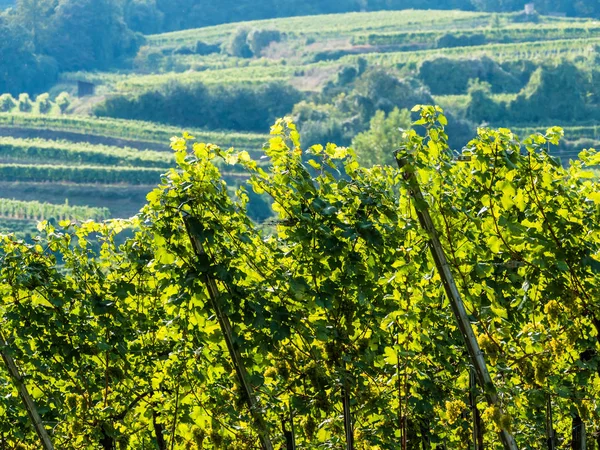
[
  {"x": 25, "y": 397},
  {"x": 458, "y": 307},
  {"x": 578, "y": 441},
  {"x": 549, "y": 425},
  {"x": 192, "y": 226},
  {"x": 348, "y": 425},
  {"x": 476, "y": 416}
]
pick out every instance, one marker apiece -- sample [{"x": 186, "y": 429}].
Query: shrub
[
  {"x": 202, "y": 48},
  {"x": 525, "y": 18},
  {"x": 482, "y": 107},
  {"x": 446, "y": 76},
  {"x": 347, "y": 75},
  {"x": 183, "y": 50},
  {"x": 24, "y": 103},
  {"x": 238, "y": 45},
  {"x": 43, "y": 102},
  {"x": 451, "y": 40},
  {"x": 259, "y": 40},
  {"x": 63, "y": 100},
  {"x": 555, "y": 93},
  {"x": 149, "y": 60},
  {"x": 248, "y": 108},
  {"x": 377, "y": 144},
  {"x": 7, "y": 103}
]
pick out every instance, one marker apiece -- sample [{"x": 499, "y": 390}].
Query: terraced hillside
[
  {"x": 314, "y": 51},
  {"x": 388, "y": 38},
  {"x": 101, "y": 167},
  {"x": 112, "y": 163}
]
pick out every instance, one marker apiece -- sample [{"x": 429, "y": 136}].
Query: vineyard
[
  {"x": 99, "y": 163},
  {"x": 334, "y": 25},
  {"x": 448, "y": 303},
  {"x": 42, "y": 151},
  {"x": 147, "y": 135},
  {"x": 22, "y": 217},
  {"x": 108, "y": 150}
]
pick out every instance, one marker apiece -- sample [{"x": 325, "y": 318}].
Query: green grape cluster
[
  {"x": 542, "y": 367},
  {"x": 488, "y": 346},
  {"x": 454, "y": 410},
  {"x": 552, "y": 310}
]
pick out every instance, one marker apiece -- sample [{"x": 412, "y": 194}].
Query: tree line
[{"x": 153, "y": 16}]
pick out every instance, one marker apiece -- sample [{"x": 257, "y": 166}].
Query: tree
[
  {"x": 43, "y": 103},
  {"x": 259, "y": 40},
  {"x": 63, "y": 101},
  {"x": 377, "y": 144},
  {"x": 92, "y": 33},
  {"x": 143, "y": 16},
  {"x": 554, "y": 93},
  {"x": 21, "y": 69},
  {"x": 24, "y": 103},
  {"x": 36, "y": 16},
  {"x": 7, "y": 102},
  {"x": 238, "y": 44},
  {"x": 482, "y": 107}
]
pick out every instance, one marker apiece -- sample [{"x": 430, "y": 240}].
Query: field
[
  {"x": 112, "y": 163},
  {"x": 334, "y": 26}
]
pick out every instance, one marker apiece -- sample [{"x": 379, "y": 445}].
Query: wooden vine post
[
  {"x": 348, "y": 425},
  {"x": 458, "y": 307},
  {"x": 192, "y": 226},
  {"x": 549, "y": 424},
  {"x": 578, "y": 441},
  {"x": 475, "y": 415},
  {"x": 32, "y": 411}
]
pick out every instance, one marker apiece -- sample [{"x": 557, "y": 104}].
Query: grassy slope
[
  {"x": 555, "y": 37},
  {"x": 333, "y": 25}
]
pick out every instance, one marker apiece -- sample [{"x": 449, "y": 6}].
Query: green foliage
[
  {"x": 480, "y": 36},
  {"x": 384, "y": 136},
  {"x": 451, "y": 40},
  {"x": 445, "y": 76},
  {"x": 203, "y": 48},
  {"x": 43, "y": 103},
  {"x": 44, "y": 151},
  {"x": 63, "y": 101},
  {"x": 149, "y": 60},
  {"x": 7, "y": 103},
  {"x": 92, "y": 34},
  {"x": 246, "y": 108},
  {"x": 259, "y": 40},
  {"x": 341, "y": 297},
  {"x": 24, "y": 69},
  {"x": 80, "y": 174},
  {"x": 37, "y": 211},
  {"x": 482, "y": 107},
  {"x": 555, "y": 93},
  {"x": 238, "y": 44},
  {"x": 41, "y": 38},
  {"x": 24, "y": 103},
  {"x": 143, "y": 135}
]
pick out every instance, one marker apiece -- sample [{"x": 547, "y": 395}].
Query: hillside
[{"x": 331, "y": 73}]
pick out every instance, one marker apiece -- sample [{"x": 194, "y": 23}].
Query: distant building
[
  {"x": 85, "y": 89},
  {"x": 530, "y": 9}
]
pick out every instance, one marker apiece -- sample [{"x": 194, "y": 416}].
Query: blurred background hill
[{"x": 92, "y": 90}]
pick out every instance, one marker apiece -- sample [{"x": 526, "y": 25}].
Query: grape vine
[{"x": 336, "y": 308}]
